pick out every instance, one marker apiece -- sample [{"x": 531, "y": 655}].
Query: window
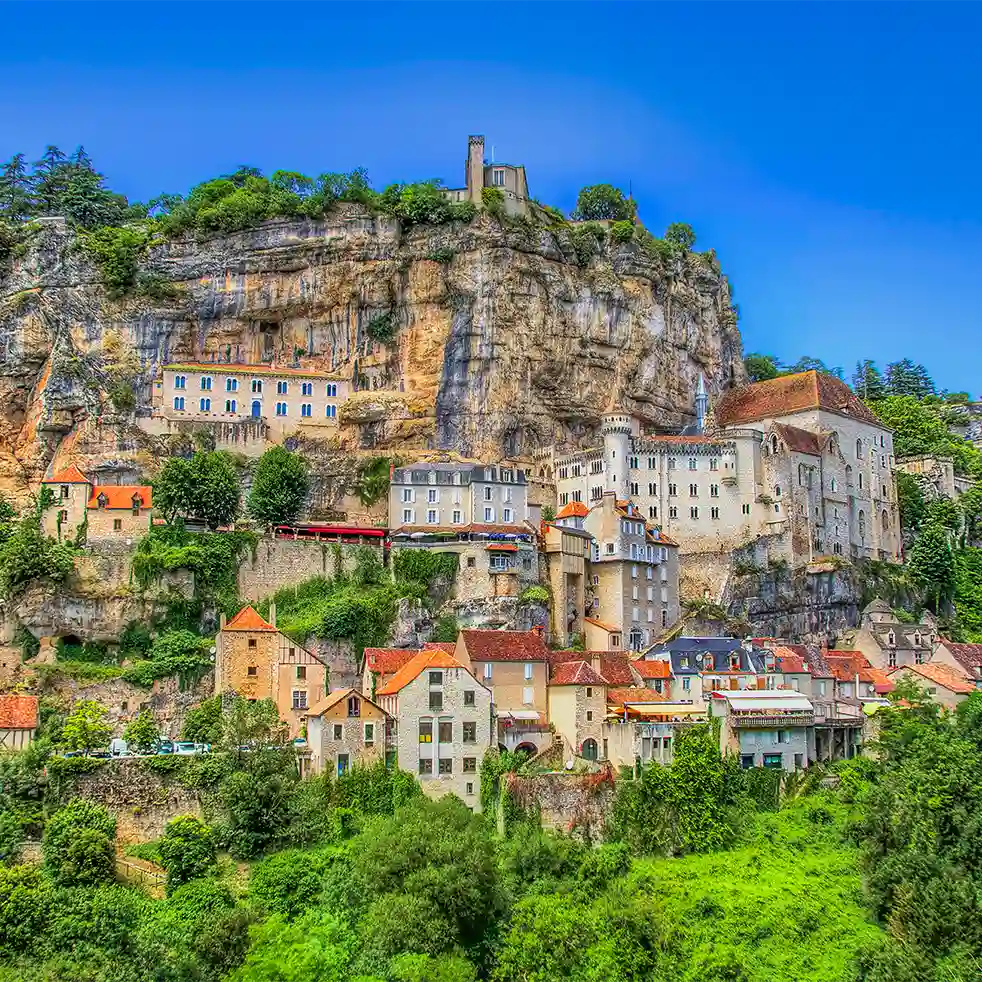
[
  {"x": 506, "y": 515},
  {"x": 407, "y": 516},
  {"x": 664, "y": 618},
  {"x": 471, "y": 561},
  {"x": 713, "y": 490},
  {"x": 305, "y": 409},
  {"x": 332, "y": 390},
  {"x": 589, "y": 715},
  {"x": 204, "y": 405},
  {"x": 257, "y": 385},
  {"x": 306, "y": 388},
  {"x": 436, "y": 678},
  {"x": 488, "y": 515},
  {"x": 231, "y": 385},
  {"x": 445, "y": 731},
  {"x": 487, "y": 669},
  {"x": 470, "y": 767},
  {"x": 783, "y": 736},
  {"x": 117, "y": 525},
  {"x": 206, "y": 383},
  {"x": 673, "y": 490},
  {"x": 714, "y": 513},
  {"x": 745, "y": 509},
  {"x": 498, "y": 178},
  {"x": 470, "y": 733},
  {"x": 436, "y": 700},
  {"x": 468, "y": 697},
  {"x": 426, "y": 731},
  {"x": 457, "y": 517},
  {"x": 299, "y": 698},
  {"x": 772, "y": 760},
  {"x": 634, "y": 572},
  {"x": 693, "y": 463},
  {"x": 777, "y": 490},
  {"x": 693, "y": 490},
  {"x": 282, "y": 388},
  {"x": 252, "y": 671},
  {"x": 301, "y": 671},
  {"x": 230, "y": 406},
  {"x": 425, "y": 766},
  {"x": 446, "y": 765},
  {"x": 673, "y": 512},
  {"x": 528, "y": 695},
  {"x": 713, "y": 464},
  {"x": 281, "y": 409},
  {"x": 686, "y": 684},
  {"x": 634, "y": 488},
  {"x": 693, "y": 512},
  {"x": 859, "y": 449},
  {"x": 180, "y": 381},
  {"x": 252, "y": 642},
  {"x": 330, "y": 411},
  {"x": 354, "y": 707},
  {"x": 338, "y": 731},
  {"x": 671, "y": 463},
  {"x": 892, "y": 656},
  {"x": 431, "y": 516},
  {"x": 369, "y": 734}
]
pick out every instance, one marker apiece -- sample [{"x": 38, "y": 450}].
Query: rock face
[{"x": 517, "y": 342}]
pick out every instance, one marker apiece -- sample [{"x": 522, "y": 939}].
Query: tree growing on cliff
[
  {"x": 205, "y": 487},
  {"x": 78, "y": 844},
  {"x": 27, "y": 554},
  {"x": 279, "y": 487},
  {"x": 932, "y": 564},
  {"x": 85, "y": 727},
  {"x": 16, "y": 191},
  {"x": 680, "y": 236},
  {"x": 142, "y": 733},
  {"x": 603, "y": 202},
  {"x": 187, "y": 850},
  {"x": 905, "y": 378},
  {"x": 760, "y": 367}
]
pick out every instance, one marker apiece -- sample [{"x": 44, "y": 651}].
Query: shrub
[
  {"x": 279, "y": 487},
  {"x": 288, "y": 882},
  {"x": 622, "y": 231},
  {"x": 600, "y": 202},
  {"x": 117, "y": 253},
  {"x": 78, "y": 844},
  {"x": 203, "y": 723},
  {"x": 534, "y": 595},
  {"x": 28, "y": 555},
  {"x": 442, "y": 255},
  {"x": 381, "y": 328},
  {"x": 187, "y": 850},
  {"x": 446, "y": 629},
  {"x": 493, "y": 200}
]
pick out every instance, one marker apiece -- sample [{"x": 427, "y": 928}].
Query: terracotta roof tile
[
  {"x": 615, "y": 667},
  {"x": 845, "y": 665},
  {"x": 18, "y": 712},
  {"x": 790, "y": 394},
  {"x": 388, "y": 661},
  {"x": 120, "y": 495},
  {"x": 798, "y": 440},
  {"x": 617, "y": 697},
  {"x": 69, "y": 475},
  {"x": 224, "y": 368},
  {"x": 575, "y": 509},
  {"x": 787, "y": 660},
  {"x": 652, "y": 668},
  {"x": 882, "y": 683},
  {"x": 448, "y": 646},
  {"x": 574, "y": 673},
  {"x": 485, "y": 646},
  {"x": 940, "y": 674},
  {"x": 416, "y": 665},
  {"x": 248, "y": 619},
  {"x": 969, "y": 656},
  {"x": 603, "y": 625}
]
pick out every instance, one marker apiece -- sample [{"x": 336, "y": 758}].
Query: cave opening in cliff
[{"x": 269, "y": 339}]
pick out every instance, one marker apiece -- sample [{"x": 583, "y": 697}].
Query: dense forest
[{"x": 706, "y": 873}]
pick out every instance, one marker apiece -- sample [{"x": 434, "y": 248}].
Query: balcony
[{"x": 771, "y": 721}]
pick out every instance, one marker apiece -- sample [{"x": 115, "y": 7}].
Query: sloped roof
[
  {"x": 788, "y": 660},
  {"x": 18, "y": 712},
  {"x": 416, "y": 665},
  {"x": 575, "y": 509},
  {"x": 333, "y": 698},
  {"x": 223, "y": 368},
  {"x": 69, "y": 475},
  {"x": 505, "y": 646},
  {"x": 798, "y": 440},
  {"x": 603, "y": 625},
  {"x": 942, "y": 675},
  {"x": 791, "y": 394},
  {"x": 882, "y": 683},
  {"x": 248, "y": 619},
  {"x": 969, "y": 656},
  {"x": 448, "y": 646},
  {"x": 574, "y": 673},
  {"x": 617, "y": 697},
  {"x": 615, "y": 667},
  {"x": 120, "y": 495},
  {"x": 652, "y": 668},
  {"x": 388, "y": 661},
  {"x": 845, "y": 665}
]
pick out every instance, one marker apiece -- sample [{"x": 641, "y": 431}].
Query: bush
[
  {"x": 622, "y": 231},
  {"x": 78, "y": 844},
  {"x": 446, "y": 629},
  {"x": 187, "y": 851},
  {"x": 288, "y": 882},
  {"x": 279, "y": 487},
  {"x": 681, "y": 236},
  {"x": 381, "y": 328},
  {"x": 493, "y": 200},
  {"x": 603, "y": 202},
  {"x": 117, "y": 253},
  {"x": 534, "y": 595},
  {"x": 442, "y": 255},
  {"x": 175, "y": 653},
  {"x": 203, "y": 723},
  {"x": 29, "y": 555}
]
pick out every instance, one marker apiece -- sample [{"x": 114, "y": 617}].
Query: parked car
[
  {"x": 100, "y": 754},
  {"x": 187, "y": 748},
  {"x": 165, "y": 747}
]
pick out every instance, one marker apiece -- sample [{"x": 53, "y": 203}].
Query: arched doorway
[
  {"x": 589, "y": 750},
  {"x": 257, "y": 409},
  {"x": 526, "y": 748}
]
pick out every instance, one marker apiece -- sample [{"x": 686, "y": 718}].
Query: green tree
[
  {"x": 16, "y": 191},
  {"x": 205, "y": 487},
  {"x": 187, "y": 850},
  {"x": 203, "y": 723},
  {"x": 681, "y": 236},
  {"x": 912, "y": 503},
  {"x": 807, "y": 364},
  {"x": 142, "y": 733},
  {"x": 867, "y": 381},
  {"x": 289, "y": 882},
  {"x": 446, "y": 629},
  {"x": 905, "y": 378},
  {"x": 25, "y": 901},
  {"x": 760, "y": 368},
  {"x": 372, "y": 481},
  {"x": 78, "y": 844},
  {"x": 279, "y": 487},
  {"x": 28, "y": 554},
  {"x": 931, "y": 565},
  {"x": 85, "y": 727},
  {"x": 603, "y": 202}
]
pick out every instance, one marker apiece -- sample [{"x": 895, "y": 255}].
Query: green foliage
[
  {"x": 203, "y": 723},
  {"x": 680, "y": 236},
  {"x": 931, "y": 565},
  {"x": 117, "y": 253},
  {"x": 28, "y": 555},
  {"x": 279, "y": 487},
  {"x": 178, "y": 653},
  {"x": 142, "y": 734},
  {"x": 187, "y": 850},
  {"x": 534, "y": 595},
  {"x": 86, "y": 727},
  {"x": 587, "y": 239},
  {"x": 603, "y": 202},
  {"x": 372, "y": 481},
  {"x": 381, "y": 328},
  {"x": 289, "y": 882},
  {"x": 424, "y": 567},
  {"x": 622, "y": 231},
  {"x": 78, "y": 844},
  {"x": 205, "y": 487},
  {"x": 446, "y": 629},
  {"x": 442, "y": 255},
  {"x": 493, "y": 200}
]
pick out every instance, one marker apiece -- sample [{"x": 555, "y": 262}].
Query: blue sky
[{"x": 830, "y": 153}]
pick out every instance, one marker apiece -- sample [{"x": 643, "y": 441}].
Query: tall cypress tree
[
  {"x": 867, "y": 382},
  {"x": 50, "y": 177},
  {"x": 16, "y": 190}
]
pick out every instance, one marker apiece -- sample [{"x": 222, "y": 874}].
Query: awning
[
  {"x": 502, "y": 547},
  {"x": 522, "y": 714},
  {"x": 660, "y": 709}
]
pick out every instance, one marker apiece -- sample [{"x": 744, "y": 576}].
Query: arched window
[
  {"x": 833, "y": 486},
  {"x": 886, "y": 522},
  {"x": 589, "y": 750},
  {"x": 861, "y": 522},
  {"x": 848, "y": 474},
  {"x": 859, "y": 449},
  {"x": 891, "y": 639}
]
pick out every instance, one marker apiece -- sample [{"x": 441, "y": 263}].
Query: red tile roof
[
  {"x": 615, "y": 667},
  {"x": 448, "y": 646},
  {"x": 70, "y": 475},
  {"x": 942, "y": 675},
  {"x": 787, "y": 660},
  {"x": 574, "y": 673},
  {"x": 120, "y": 495},
  {"x": 248, "y": 619},
  {"x": 18, "y": 712},
  {"x": 416, "y": 665},
  {"x": 652, "y": 668},
  {"x": 663, "y": 539},
  {"x": 388, "y": 661},
  {"x": 798, "y": 440},
  {"x": 789, "y": 394},
  {"x": 223, "y": 368},
  {"x": 575, "y": 509},
  {"x": 882, "y": 683},
  {"x": 845, "y": 665},
  {"x": 969, "y": 656},
  {"x": 502, "y": 547},
  {"x": 603, "y": 625},
  {"x": 484, "y": 646},
  {"x": 617, "y": 697}
]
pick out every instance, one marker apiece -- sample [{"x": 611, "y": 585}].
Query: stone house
[
  {"x": 888, "y": 642},
  {"x": 256, "y": 661},
  {"x": 107, "y": 511},
  {"x": 634, "y": 572},
  {"x": 514, "y": 667},
  {"x": 284, "y": 400},
  {"x": 938, "y": 472},
  {"x": 966, "y": 659},
  {"x": 18, "y": 721},
  {"x": 566, "y": 553},
  {"x": 943, "y": 684},
  {"x": 600, "y": 635},
  {"x": 578, "y": 706},
  {"x": 380, "y": 664},
  {"x": 442, "y": 723},
  {"x": 346, "y": 729},
  {"x": 655, "y": 675},
  {"x": 767, "y": 728},
  {"x": 480, "y": 173}
]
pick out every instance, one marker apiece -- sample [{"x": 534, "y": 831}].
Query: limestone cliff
[{"x": 507, "y": 337}]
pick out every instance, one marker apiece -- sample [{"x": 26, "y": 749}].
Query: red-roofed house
[
  {"x": 944, "y": 684},
  {"x": 255, "y": 661},
  {"x": 380, "y": 664},
  {"x": 568, "y": 547},
  {"x": 18, "y": 721},
  {"x": 578, "y": 706},
  {"x": 962, "y": 657},
  {"x": 443, "y": 723},
  {"x": 346, "y": 728},
  {"x": 105, "y": 511}
]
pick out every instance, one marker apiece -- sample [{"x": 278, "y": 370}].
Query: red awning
[
  {"x": 503, "y": 547},
  {"x": 329, "y": 530}
]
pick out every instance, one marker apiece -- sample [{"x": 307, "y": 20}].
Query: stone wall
[{"x": 579, "y": 804}]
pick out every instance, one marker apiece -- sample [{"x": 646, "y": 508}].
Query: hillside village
[{"x": 255, "y": 537}]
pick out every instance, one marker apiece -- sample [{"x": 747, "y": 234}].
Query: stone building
[
  {"x": 938, "y": 472},
  {"x": 285, "y": 400},
  {"x": 634, "y": 572},
  {"x": 346, "y": 729},
  {"x": 255, "y": 661},
  {"x": 767, "y": 728},
  {"x": 578, "y": 705},
  {"x": 18, "y": 721},
  {"x": 889, "y": 642},
  {"x": 105, "y": 511},
  {"x": 442, "y": 724},
  {"x": 514, "y": 667},
  {"x": 479, "y": 173},
  {"x": 964, "y": 658},
  {"x": 943, "y": 684},
  {"x": 566, "y": 552},
  {"x": 380, "y": 664},
  {"x": 799, "y": 459}
]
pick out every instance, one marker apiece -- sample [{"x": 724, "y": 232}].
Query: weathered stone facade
[{"x": 346, "y": 729}]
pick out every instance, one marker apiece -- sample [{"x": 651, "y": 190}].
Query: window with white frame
[
  {"x": 488, "y": 514},
  {"x": 180, "y": 381},
  {"x": 306, "y": 388},
  {"x": 282, "y": 388},
  {"x": 257, "y": 385},
  {"x": 528, "y": 670},
  {"x": 432, "y": 495},
  {"x": 506, "y": 515},
  {"x": 305, "y": 409},
  {"x": 528, "y": 695},
  {"x": 407, "y": 516},
  {"x": 457, "y": 517},
  {"x": 431, "y": 516},
  {"x": 332, "y": 390},
  {"x": 331, "y": 411},
  {"x": 407, "y": 494},
  {"x": 281, "y": 409},
  {"x": 231, "y": 385},
  {"x": 179, "y": 403},
  {"x": 488, "y": 494},
  {"x": 230, "y": 406},
  {"x": 204, "y": 405},
  {"x": 206, "y": 383}
]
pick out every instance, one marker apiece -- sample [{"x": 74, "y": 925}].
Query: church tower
[{"x": 616, "y": 430}]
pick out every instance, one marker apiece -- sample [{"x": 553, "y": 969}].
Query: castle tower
[
  {"x": 702, "y": 404},
  {"x": 616, "y": 430},
  {"x": 474, "y": 174}
]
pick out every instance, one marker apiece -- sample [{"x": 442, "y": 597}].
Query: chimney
[
  {"x": 595, "y": 661},
  {"x": 272, "y": 614}
]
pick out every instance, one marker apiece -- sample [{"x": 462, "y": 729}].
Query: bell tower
[{"x": 616, "y": 430}]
